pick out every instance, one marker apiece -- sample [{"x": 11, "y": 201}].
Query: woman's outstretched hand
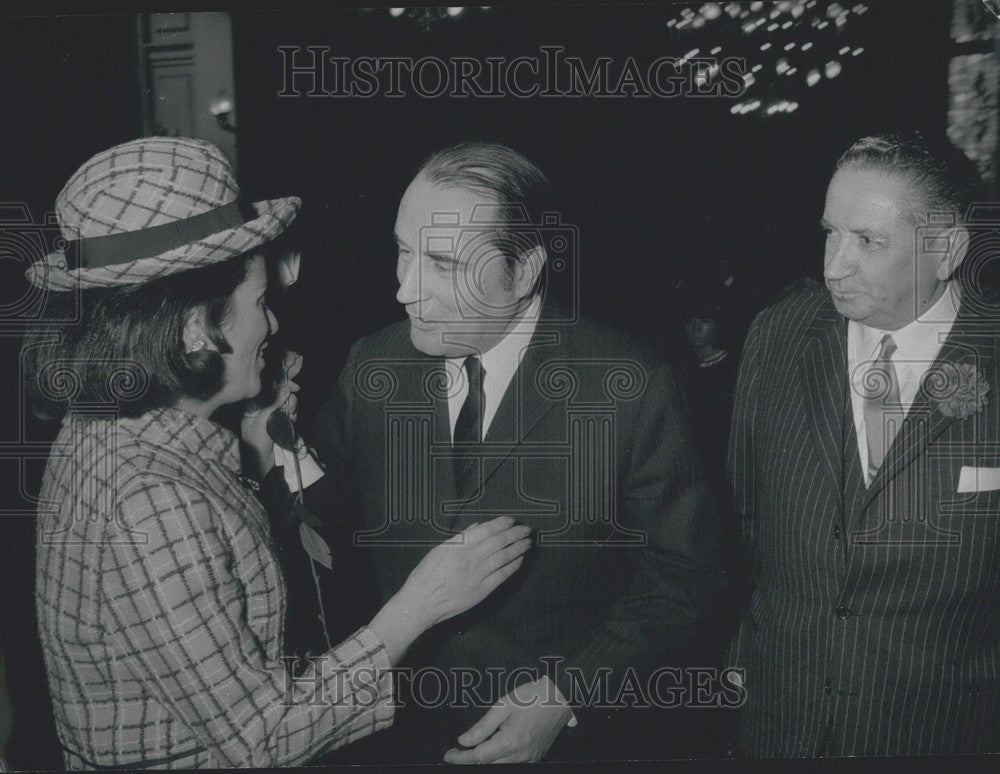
[
  {"x": 454, "y": 576},
  {"x": 461, "y": 572}
]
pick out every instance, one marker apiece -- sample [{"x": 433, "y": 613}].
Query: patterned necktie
[
  {"x": 469, "y": 426},
  {"x": 883, "y": 413}
]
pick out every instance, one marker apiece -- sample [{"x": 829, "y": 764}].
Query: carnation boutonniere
[{"x": 957, "y": 389}]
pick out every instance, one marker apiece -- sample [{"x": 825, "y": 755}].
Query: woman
[{"x": 160, "y": 599}]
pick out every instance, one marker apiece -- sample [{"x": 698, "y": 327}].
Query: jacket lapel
[
  {"x": 855, "y": 489},
  {"x": 823, "y": 369},
  {"x": 523, "y": 405},
  {"x": 924, "y": 423}
]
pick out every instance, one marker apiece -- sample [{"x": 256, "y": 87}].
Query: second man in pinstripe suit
[{"x": 865, "y": 460}]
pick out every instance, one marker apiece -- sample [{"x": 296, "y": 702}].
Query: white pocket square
[{"x": 973, "y": 479}]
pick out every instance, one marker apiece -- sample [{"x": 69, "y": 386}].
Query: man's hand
[{"x": 519, "y": 728}]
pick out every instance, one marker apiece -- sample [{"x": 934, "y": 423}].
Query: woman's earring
[{"x": 197, "y": 346}]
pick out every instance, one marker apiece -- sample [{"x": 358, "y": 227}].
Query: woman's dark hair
[{"x": 122, "y": 347}]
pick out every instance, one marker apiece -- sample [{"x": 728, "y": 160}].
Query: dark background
[
  {"x": 663, "y": 191},
  {"x": 666, "y": 193}
]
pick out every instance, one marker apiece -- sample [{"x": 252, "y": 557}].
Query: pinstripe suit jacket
[
  {"x": 874, "y": 623},
  {"x": 590, "y": 446}
]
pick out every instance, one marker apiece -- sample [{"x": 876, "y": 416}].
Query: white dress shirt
[
  {"x": 917, "y": 346},
  {"x": 500, "y": 363}
]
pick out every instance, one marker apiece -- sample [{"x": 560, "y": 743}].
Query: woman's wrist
[{"x": 400, "y": 621}]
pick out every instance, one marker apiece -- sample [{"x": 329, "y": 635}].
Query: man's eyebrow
[
  {"x": 824, "y": 223},
  {"x": 442, "y": 257}
]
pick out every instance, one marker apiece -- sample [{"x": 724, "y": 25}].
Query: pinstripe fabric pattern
[
  {"x": 873, "y": 628},
  {"x": 161, "y": 608}
]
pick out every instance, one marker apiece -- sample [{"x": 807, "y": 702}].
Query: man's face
[
  {"x": 453, "y": 281},
  {"x": 872, "y": 266}
]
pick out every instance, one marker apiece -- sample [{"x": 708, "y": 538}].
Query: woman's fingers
[
  {"x": 501, "y": 540},
  {"x": 477, "y": 533},
  {"x": 495, "y": 578},
  {"x": 291, "y": 406},
  {"x": 292, "y": 364},
  {"x": 283, "y": 392},
  {"x": 505, "y": 555},
  {"x": 510, "y": 552}
]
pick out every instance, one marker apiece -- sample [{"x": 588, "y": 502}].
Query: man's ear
[
  {"x": 958, "y": 246},
  {"x": 194, "y": 337},
  {"x": 528, "y": 269}
]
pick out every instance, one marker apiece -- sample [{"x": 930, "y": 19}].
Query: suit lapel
[
  {"x": 523, "y": 405},
  {"x": 855, "y": 489},
  {"x": 924, "y": 423},
  {"x": 823, "y": 369}
]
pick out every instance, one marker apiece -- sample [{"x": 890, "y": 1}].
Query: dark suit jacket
[
  {"x": 874, "y": 627},
  {"x": 590, "y": 447}
]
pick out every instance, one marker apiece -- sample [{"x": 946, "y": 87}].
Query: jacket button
[
  {"x": 836, "y": 531},
  {"x": 842, "y": 612},
  {"x": 827, "y": 686}
]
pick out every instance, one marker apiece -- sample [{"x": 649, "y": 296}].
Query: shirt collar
[
  {"x": 920, "y": 339},
  {"x": 505, "y": 356}
]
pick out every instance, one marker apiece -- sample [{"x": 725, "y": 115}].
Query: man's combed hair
[
  {"x": 123, "y": 346},
  {"x": 521, "y": 190},
  {"x": 943, "y": 178}
]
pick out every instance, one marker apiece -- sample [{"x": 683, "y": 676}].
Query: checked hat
[{"x": 152, "y": 207}]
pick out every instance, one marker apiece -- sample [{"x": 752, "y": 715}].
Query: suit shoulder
[
  {"x": 792, "y": 314},
  {"x": 598, "y": 339},
  {"x": 796, "y": 307},
  {"x": 392, "y": 340},
  {"x": 981, "y": 306}
]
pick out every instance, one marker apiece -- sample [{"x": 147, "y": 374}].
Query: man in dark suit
[
  {"x": 490, "y": 399},
  {"x": 865, "y": 461}
]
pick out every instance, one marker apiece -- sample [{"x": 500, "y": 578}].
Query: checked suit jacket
[
  {"x": 874, "y": 624},
  {"x": 590, "y": 446}
]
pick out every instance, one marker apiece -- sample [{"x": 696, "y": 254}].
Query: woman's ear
[{"x": 194, "y": 337}]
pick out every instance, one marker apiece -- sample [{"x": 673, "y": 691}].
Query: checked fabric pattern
[
  {"x": 152, "y": 182},
  {"x": 161, "y": 609}
]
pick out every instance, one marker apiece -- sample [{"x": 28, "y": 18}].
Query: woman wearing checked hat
[{"x": 160, "y": 598}]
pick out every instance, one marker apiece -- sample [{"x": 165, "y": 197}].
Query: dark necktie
[
  {"x": 882, "y": 409},
  {"x": 469, "y": 427}
]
